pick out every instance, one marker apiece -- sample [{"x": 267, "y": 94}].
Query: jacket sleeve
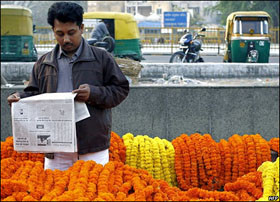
[
  {"x": 115, "y": 88},
  {"x": 32, "y": 88}
]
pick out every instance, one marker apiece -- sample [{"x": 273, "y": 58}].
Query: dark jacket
[{"x": 108, "y": 88}]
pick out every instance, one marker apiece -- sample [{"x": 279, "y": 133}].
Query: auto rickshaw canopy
[
  {"x": 125, "y": 24},
  {"x": 232, "y": 16},
  {"x": 16, "y": 21}
]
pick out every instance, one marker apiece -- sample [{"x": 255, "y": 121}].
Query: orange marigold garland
[
  {"x": 179, "y": 162},
  {"x": 249, "y": 185},
  {"x": 250, "y": 152},
  {"x": 8, "y": 167},
  {"x": 196, "y": 139},
  {"x": 227, "y": 160},
  {"x": 214, "y": 181},
  {"x": 117, "y": 150},
  {"x": 234, "y": 149},
  {"x": 193, "y": 161},
  {"x": 257, "y": 143},
  {"x": 208, "y": 162},
  {"x": 274, "y": 144},
  {"x": 242, "y": 164},
  {"x": 182, "y": 162},
  {"x": 265, "y": 149}
]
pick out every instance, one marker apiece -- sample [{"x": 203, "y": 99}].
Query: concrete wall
[
  {"x": 169, "y": 111},
  {"x": 210, "y": 70},
  {"x": 16, "y": 72}
]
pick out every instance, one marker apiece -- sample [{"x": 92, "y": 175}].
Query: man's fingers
[
  {"x": 81, "y": 88},
  {"x": 13, "y": 98}
]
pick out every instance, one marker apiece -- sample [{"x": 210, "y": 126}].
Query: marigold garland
[
  {"x": 117, "y": 150},
  {"x": 249, "y": 184},
  {"x": 270, "y": 177},
  {"x": 250, "y": 152},
  {"x": 224, "y": 145},
  {"x": 274, "y": 144}
]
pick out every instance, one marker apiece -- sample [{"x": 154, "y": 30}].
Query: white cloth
[{"x": 62, "y": 161}]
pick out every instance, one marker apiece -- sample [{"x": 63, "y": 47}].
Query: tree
[
  {"x": 227, "y": 7},
  {"x": 40, "y": 9}
]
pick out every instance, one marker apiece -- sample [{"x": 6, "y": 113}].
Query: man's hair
[
  {"x": 65, "y": 12},
  {"x": 106, "y": 21}
]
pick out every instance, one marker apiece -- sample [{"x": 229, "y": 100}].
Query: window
[
  {"x": 265, "y": 27},
  {"x": 236, "y": 27},
  {"x": 251, "y": 25}
]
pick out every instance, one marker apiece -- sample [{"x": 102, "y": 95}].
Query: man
[
  {"x": 92, "y": 73},
  {"x": 101, "y": 30}
]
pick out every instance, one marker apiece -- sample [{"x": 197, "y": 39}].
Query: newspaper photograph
[{"x": 46, "y": 123}]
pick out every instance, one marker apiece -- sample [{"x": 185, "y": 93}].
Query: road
[
  {"x": 165, "y": 58},
  {"x": 218, "y": 59}
]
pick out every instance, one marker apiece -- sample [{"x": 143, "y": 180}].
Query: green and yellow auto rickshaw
[
  {"x": 247, "y": 38},
  {"x": 17, "y": 34},
  {"x": 123, "y": 29}
]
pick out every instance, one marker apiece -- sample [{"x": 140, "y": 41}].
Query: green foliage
[{"x": 227, "y": 7}]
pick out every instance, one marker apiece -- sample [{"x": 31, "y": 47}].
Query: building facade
[{"x": 148, "y": 8}]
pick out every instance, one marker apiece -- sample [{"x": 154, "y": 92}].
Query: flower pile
[
  {"x": 240, "y": 166},
  {"x": 202, "y": 162},
  {"x": 270, "y": 177},
  {"x": 88, "y": 181},
  {"x": 7, "y": 151},
  {"x": 152, "y": 154}
]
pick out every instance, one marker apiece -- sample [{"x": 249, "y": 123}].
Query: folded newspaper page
[{"x": 46, "y": 123}]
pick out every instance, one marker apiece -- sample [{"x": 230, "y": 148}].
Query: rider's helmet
[{"x": 188, "y": 38}]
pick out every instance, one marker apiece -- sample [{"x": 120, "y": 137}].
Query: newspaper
[{"x": 46, "y": 123}]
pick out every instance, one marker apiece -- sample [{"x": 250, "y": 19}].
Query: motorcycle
[
  {"x": 107, "y": 43},
  {"x": 191, "y": 47}
]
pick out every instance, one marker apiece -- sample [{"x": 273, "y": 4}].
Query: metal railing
[{"x": 159, "y": 38}]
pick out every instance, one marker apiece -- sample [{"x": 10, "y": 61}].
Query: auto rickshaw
[
  {"x": 17, "y": 34},
  {"x": 123, "y": 28},
  {"x": 247, "y": 38}
]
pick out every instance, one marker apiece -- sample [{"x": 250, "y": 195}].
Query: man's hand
[
  {"x": 83, "y": 93},
  {"x": 13, "y": 98}
]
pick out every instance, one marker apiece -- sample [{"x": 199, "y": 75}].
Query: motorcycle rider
[{"x": 101, "y": 30}]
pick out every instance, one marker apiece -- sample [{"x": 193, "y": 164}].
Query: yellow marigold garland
[
  {"x": 153, "y": 154},
  {"x": 170, "y": 152},
  {"x": 128, "y": 139},
  {"x": 270, "y": 176},
  {"x": 148, "y": 154}
]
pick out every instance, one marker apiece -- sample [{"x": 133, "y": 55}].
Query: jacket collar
[{"x": 86, "y": 54}]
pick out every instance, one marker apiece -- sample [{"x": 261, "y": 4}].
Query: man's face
[{"x": 68, "y": 35}]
